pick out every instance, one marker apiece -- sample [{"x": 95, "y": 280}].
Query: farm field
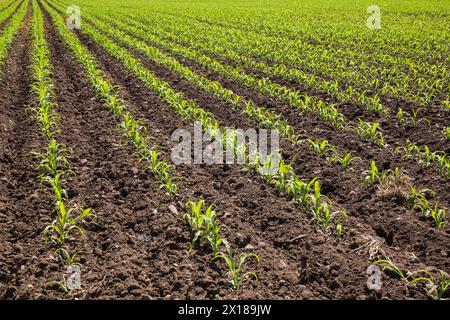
[{"x": 354, "y": 204}]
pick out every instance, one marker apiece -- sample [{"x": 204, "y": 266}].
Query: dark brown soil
[{"x": 136, "y": 247}]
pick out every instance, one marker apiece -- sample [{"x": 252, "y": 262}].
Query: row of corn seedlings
[
  {"x": 368, "y": 131},
  {"x": 203, "y": 225},
  {"x": 9, "y": 32},
  {"x": 329, "y": 87},
  {"x": 264, "y": 116},
  {"x": 395, "y": 183},
  {"x": 283, "y": 177},
  {"x": 132, "y": 129},
  {"x": 365, "y": 130},
  {"x": 277, "y": 181},
  {"x": 425, "y": 157},
  {"x": 381, "y": 56},
  {"x": 54, "y": 165}
]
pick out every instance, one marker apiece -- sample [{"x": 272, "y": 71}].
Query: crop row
[
  {"x": 265, "y": 117},
  {"x": 54, "y": 165},
  {"x": 6, "y": 12},
  {"x": 9, "y": 32}
]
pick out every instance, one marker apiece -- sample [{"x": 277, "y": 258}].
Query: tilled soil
[{"x": 137, "y": 246}]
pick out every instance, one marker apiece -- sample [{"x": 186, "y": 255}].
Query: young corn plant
[
  {"x": 300, "y": 191},
  {"x": 408, "y": 150},
  {"x": 438, "y": 215},
  {"x": 446, "y": 105},
  {"x": 53, "y": 161},
  {"x": 370, "y": 131},
  {"x": 195, "y": 220},
  {"x": 443, "y": 166},
  {"x": 346, "y": 160},
  {"x": 203, "y": 225},
  {"x": 65, "y": 223},
  {"x": 418, "y": 201},
  {"x": 60, "y": 284},
  {"x": 446, "y": 133},
  {"x": 321, "y": 147},
  {"x": 69, "y": 258},
  {"x": 401, "y": 116},
  {"x": 387, "y": 264},
  {"x": 213, "y": 237},
  {"x": 322, "y": 213},
  {"x": 371, "y": 176},
  {"x": 58, "y": 190},
  {"x": 235, "y": 264},
  {"x": 425, "y": 157},
  {"x": 416, "y": 119}
]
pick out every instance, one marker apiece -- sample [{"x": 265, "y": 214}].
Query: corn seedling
[
  {"x": 69, "y": 258},
  {"x": 58, "y": 190},
  {"x": 370, "y": 177},
  {"x": 435, "y": 288},
  {"x": 235, "y": 264},
  {"x": 415, "y": 117},
  {"x": 387, "y": 264},
  {"x": 446, "y": 133},
  {"x": 213, "y": 237},
  {"x": 438, "y": 215},
  {"x": 61, "y": 285},
  {"x": 345, "y": 161},
  {"x": 320, "y": 147},
  {"x": 408, "y": 149},
  {"x": 53, "y": 161},
  {"x": 425, "y": 157},
  {"x": 203, "y": 225},
  {"x": 195, "y": 220},
  {"x": 401, "y": 116},
  {"x": 65, "y": 223},
  {"x": 370, "y": 131}
]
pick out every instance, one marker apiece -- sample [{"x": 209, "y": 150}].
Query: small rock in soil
[{"x": 173, "y": 209}]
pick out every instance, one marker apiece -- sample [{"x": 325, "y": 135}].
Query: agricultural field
[{"x": 98, "y": 201}]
